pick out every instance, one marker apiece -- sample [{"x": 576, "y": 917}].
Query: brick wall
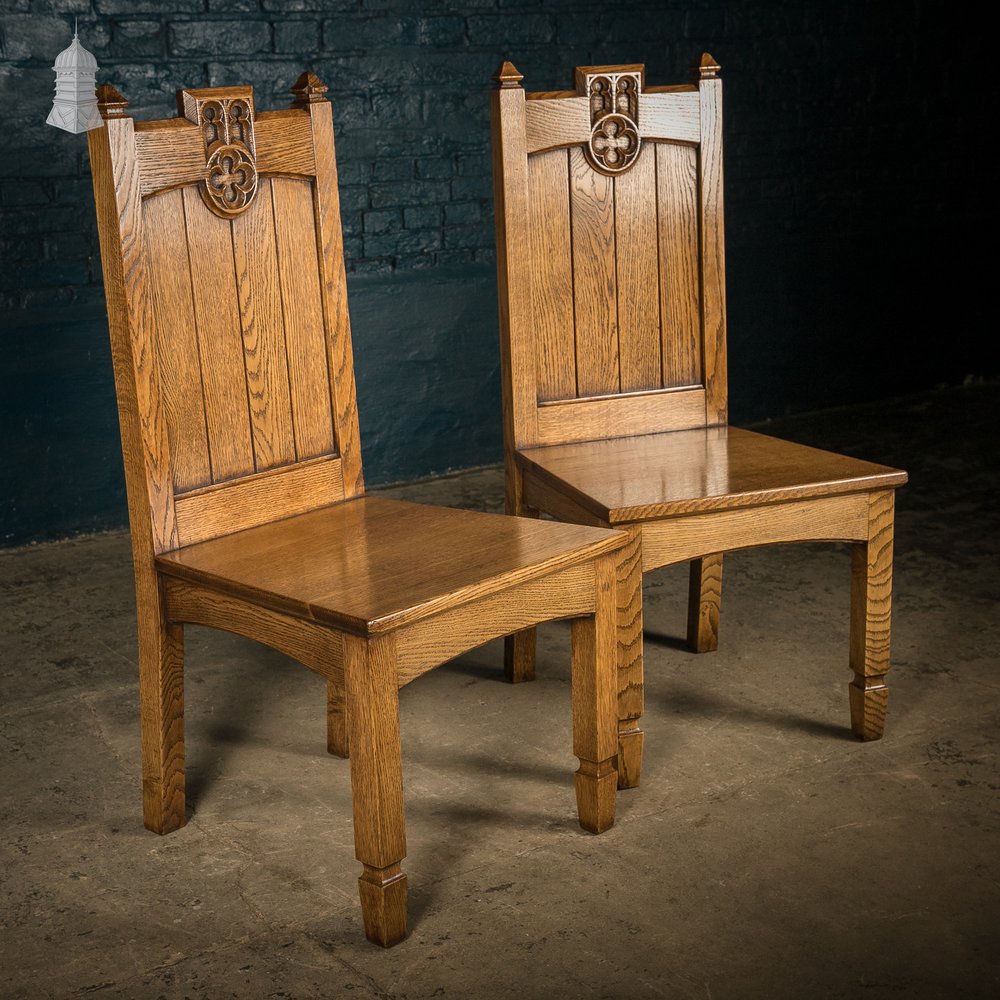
[{"x": 850, "y": 190}]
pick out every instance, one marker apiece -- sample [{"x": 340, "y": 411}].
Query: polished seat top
[
  {"x": 654, "y": 476},
  {"x": 373, "y": 564}
]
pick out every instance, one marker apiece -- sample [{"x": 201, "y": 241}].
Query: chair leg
[
  {"x": 161, "y": 717},
  {"x": 595, "y": 739},
  {"x": 629, "y": 642},
  {"x": 370, "y": 674},
  {"x": 519, "y": 648},
  {"x": 704, "y": 600},
  {"x": 871, "y": 611},
  {"x": 336, "y": 719}
]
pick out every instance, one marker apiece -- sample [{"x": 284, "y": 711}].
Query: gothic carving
[
  {"x": 614, "y": 116},
  {"x": 225, "y": 117}
]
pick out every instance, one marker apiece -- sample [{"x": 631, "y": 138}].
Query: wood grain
[
  {"x": 333, "y": 293},
  {"x": 644, "y": 477},
  {"x": 165, "y": 241},
  {"x": 704, "y": 602},
  {"x": 871, "y": 614},
  {"x": 713, "y": 254},
  {"x": 556, "y": 122},
  {"x": 568, "y": 593},
  {"x": 673, "y": 115},
  {"x": 376, "y": 784},
  {"x": 220, "y": 340},
  {"x": 253, "y": 500},
  {"x": 638, "y": 278},
  {"x": 305, "y": 339},
  {"x": 552, "y": 275},
  {"x": 261, "y": 318},
  {"x": 827, "y": 519},
  {"x": 318, "y": 648},
  {"x": 629, "y": 657},
  {"x": 619, "y": 415},
  {"x": 677, "y": 219},
  {"x": 594, "y": 283},
  {"x": 595, "y": 727},
  {"x": 371, "y": 565}
]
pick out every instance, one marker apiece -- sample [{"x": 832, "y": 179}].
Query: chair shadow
[
  {"x": 667, "y": 641},
  {"x": 691, "y": 702}
]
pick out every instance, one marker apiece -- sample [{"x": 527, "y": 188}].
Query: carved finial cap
[
  {"x": 308, "y": 89},
  {"x": 507, "y": 75},
  {"x": 110, "y": 102},
  {"x": 707, "y": 68}
]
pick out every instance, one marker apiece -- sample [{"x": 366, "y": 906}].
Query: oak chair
[
  {"x": 610, "y": 253},
  {"x": 224, "y": 273}
]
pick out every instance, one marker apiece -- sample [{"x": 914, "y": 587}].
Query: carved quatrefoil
[
  {"x": 225, "y": 117},
  {"x": 614, "y": 115}
]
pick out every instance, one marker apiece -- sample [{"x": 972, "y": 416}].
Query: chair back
[
  {"x": 610, "y": 255},
  {"x": 223, "y": 267}
]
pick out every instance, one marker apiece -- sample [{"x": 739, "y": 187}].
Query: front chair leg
[
  {"x": 370, "y": 676},
  {"x": 871, "y": 612},
  {"x": 704, "y": 603},
  {"x": 161, "y": 716},
  {"x": 594, "y": 678},
  {"x": 629, "y": 643}
]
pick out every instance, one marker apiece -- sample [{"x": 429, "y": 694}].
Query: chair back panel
[
  {"x": 620, "y": 208},
  {"x": 233, "y": 311}
]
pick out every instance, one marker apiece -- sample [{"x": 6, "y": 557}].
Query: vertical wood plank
[
  {"x": 333, "y": 285},
  {"x": 256, "y": 259},
  {"x": 510, "y": 199},
  {"x": 220, "y": 340},
  {"x": 713, "y": 252},
  {"x": 176, "y": 338},
  {"x": 594, "y": 284},
  {"x": 305, "y": 340},
  {"x": 638, "y": 274},
  {"x": 552, "y": 274},
  {"x": 680, "y": 297}
]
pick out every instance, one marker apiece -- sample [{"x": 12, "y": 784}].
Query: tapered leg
[
  {"x": 377, "y": 784},
  {"x": 519, "y": 648},
  {"x": 336, "y": 719},
  {"x": 629, "y": 643},
  {"x": 704, "y": 600},
  {"x": 871, "y": 610},
  {"x": 161, "y": 716},
  {"x": 595, "y": 670}
]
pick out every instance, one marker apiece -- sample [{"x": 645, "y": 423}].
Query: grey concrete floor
[{"x": 766, "y": 854}]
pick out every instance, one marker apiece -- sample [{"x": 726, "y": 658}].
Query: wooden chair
[
  {"x": 613, "y": 344},
  {"x": 223, "y": 267}
]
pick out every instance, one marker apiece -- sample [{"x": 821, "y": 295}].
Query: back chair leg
[
  {"x": 377, "y": 784},
  {"x": 336, "y": 719},
  {"x": 519, "y": 648},
  {"x": 161, "y": 716},
  {"x": 629, "y": 643},
  {"x": 704, "y": 603},
  {"x": 594, "y": 681},
  {"x": 871, "y": 612}
]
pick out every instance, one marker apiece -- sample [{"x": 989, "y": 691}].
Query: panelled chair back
[
  {"x": 223, "y": 267},
  {"x": 609, "y": 214}
]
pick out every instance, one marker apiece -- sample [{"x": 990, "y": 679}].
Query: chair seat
[
  {"x": 654, "y": 476},
  {"x": 371, "y": 564}
]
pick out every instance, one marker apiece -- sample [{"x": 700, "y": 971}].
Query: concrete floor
[{"x": 767, "y": 854}]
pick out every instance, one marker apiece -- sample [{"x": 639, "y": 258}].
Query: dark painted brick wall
[{"x": 852, "y": 185}]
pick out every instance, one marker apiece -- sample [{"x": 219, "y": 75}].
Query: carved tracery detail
[
  {"x": 614, "y": 116},
  {"x": 225, "y": 117}
]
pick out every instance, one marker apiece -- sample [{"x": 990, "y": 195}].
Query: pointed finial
[
  {"x": 110, "y": 102},
  {"x": 76, "y": 27},
  {"x": 707, "y": 68},
  {"x": 507, "y": 75},
  {"x": 308, "y": 89}
]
